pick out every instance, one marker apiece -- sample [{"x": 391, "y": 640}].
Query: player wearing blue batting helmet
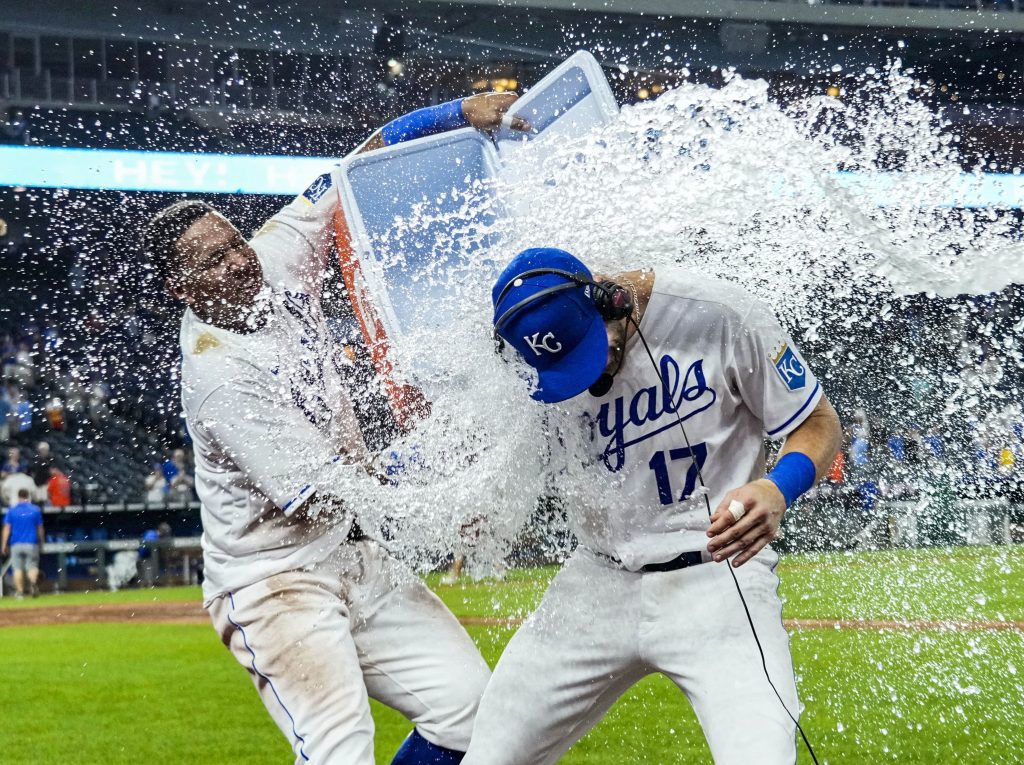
[
  {"x": 686, "y": 376},
  {"x": 559, "y": 332}
]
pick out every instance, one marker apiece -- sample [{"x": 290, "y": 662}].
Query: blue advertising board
[
  {"x": 43, "y": 167},
  {"x": 167, "y": 171}
]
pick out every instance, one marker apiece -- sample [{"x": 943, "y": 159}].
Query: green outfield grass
[
  {"x": 111, "y": 693},
  {"x": 962, "y": 583},
  {"x": 154, "y": 595}
]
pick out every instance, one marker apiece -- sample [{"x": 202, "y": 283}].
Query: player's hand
[
  {"x": 484, "y": 111},
  {"x": 759, "y": 525}
]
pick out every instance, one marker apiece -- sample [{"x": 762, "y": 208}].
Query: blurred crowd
[
  {"x": 31, "y": 364},
  {"x": 982, "y": 460},
  {"x": 39, "y": 475},
  {"x": 171, "y": 481},
  {"x": 45, "y": 395}
]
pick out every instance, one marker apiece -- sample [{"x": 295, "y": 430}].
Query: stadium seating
[{"x": 133, "y": 130}]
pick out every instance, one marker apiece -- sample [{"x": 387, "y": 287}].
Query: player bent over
[
  {"x": 319, "y": 614},
  {"x": 647, "y": 590}
]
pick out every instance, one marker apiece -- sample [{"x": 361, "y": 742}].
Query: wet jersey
[
  {"x": 271, "y": 424},
  {"x": 733, "y": 375}
]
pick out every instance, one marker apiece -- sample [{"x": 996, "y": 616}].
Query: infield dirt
[{"x": 193, "y": 613}]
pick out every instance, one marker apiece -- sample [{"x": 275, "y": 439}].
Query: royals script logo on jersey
[{"x": 626, "y": 425}]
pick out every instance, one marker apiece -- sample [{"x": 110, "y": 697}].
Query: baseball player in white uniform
[
  {"x": 319, "y": 614},
  {"x": 649, "y": 587}
]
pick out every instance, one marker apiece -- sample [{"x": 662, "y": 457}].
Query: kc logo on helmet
[{"x": 546, "y": 343}]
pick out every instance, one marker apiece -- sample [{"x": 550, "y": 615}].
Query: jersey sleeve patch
[
  {"x": 317, "y": 188},
  {"x": 789, "y": 368}
]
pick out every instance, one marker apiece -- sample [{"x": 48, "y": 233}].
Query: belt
[{"x": 687, "y": 559}]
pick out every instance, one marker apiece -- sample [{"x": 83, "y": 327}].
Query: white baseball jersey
[
  {"x": 733, "y": 375},
  {"x": 272, "y": 426}
]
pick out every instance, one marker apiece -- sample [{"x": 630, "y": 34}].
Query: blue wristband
[
  {"x": 793, "y": 474},
  {"x": 432, "y": 119}
]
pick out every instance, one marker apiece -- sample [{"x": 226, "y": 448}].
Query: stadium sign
[
  {"x": 115, "y": 170},
  {"x": 41, "y": 167}
]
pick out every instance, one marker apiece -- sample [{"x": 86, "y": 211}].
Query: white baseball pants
[
  {"x": 600, "y": 629},
  {"x": 318, "y": 642}
]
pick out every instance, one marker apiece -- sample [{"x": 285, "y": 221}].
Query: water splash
[{"x": 726, "y": 183}]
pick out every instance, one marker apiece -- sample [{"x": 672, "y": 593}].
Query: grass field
[{"x": 113, "y": 693}]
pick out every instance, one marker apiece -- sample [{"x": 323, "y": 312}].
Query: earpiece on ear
[{"x": 613, "y": 301}]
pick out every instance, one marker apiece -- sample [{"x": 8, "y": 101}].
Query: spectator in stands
[
  {"x": 173, "y": 465},
  {"x": 179, "y": 477},
  {"x": 14, "y": 128},
  {"x": 23, "y": 370},
  {"x": 859, "y": 465},
  {"x": 897, "y": 447},
  {"x": 899, "y": 479},
  {"x": 934, "y": 445},
  {"x": 23, "y": 537},
  {"x": 153, "y": 548},
  {"x": 12, "y": 484},
  {"x": 10, "y": 393},
  {"x": 914, "y": 447},
  {"x": 1015, "y": 489},
  {"x": 993, "y": 466},
  {"x": 860, "y": 448},
  {"x": 5, "y": 416},
  {"x": 39, "y": 469},
  {"x": 49, "y": 347},
  {"x": 182, "y": 488},
  {"x": 74, "y": 394},
  {"x": 156, "y": 485},
  {"x": 14, "y": 462},
  {"x": 23, "y": 415},
  {"x": 176, "y": 465},
  {"x": 1007, "y": 462},
  {"x": 58, "y": 488},
  {"x": 99, "y": 398},
  {"x": 55, "y": 414},
  {"x": 79, "y": 278},
  {"x": 8, "y": 358}
]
